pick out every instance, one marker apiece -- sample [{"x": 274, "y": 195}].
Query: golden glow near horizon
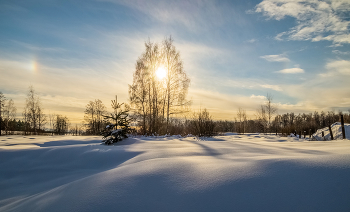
[{"x": 161, "y": 72}]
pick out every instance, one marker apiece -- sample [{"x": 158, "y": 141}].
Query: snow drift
[
  {"x": 336, "y": 130},
  {"x": 226, "y": 173}
]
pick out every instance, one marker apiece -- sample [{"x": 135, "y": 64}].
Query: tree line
[
  {"x": 201, "y": 124},
  {"x": 196, "y": 123},
  {"x": 307, "y": 122},
  {"x": 34, "y": 120}
]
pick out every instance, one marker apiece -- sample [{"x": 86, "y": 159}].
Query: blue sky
[{"x": 235, "y": 52}]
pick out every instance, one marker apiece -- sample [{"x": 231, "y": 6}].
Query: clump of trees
[
  {"x": 9, "y": 116},
  {"x": 60, "y": 125},
  {"x": 202, "y": 124},
  {"x": 98, "y": 120},
  {"x": 33, "y": 115},
  {"x": 77, "y": 130},
  {"x": 8, "y": 110},
  {"x": 94, "y": 117},
  {"x": 154, "y": 99},
  {"x": 199, "y": 124}
]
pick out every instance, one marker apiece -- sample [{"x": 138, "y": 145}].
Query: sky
[{"x": 234, "y": 52}]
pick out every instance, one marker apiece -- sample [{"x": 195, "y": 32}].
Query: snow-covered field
[{"x": 226, "y": 173}]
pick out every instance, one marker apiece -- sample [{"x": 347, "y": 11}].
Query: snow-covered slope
[
  {"x": 226, "y": 173},
  {"x": 336, "y": 130}
]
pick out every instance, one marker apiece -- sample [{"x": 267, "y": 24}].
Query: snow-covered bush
[{"x": 111, "y": 136}]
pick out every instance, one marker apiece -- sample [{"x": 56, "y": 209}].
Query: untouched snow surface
[{"x": 226, "y": 173}]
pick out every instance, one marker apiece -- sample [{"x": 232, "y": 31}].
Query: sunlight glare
[{"x": 161, "y": 73}]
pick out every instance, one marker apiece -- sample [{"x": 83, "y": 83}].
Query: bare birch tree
[
  {"x": 271, "y": 110},
  {"x": 177, "y": 82},
  {"x": 242, "y": 118},
  {"x": 9, "y": 115},
  {"x": 2, "y": 104},
  {"x": 41, "y": 118},
  {"x": 33, "y": 113},
  {"x": 154, "y": 100},
  {"x": 51, "y": 121},
  {"x": 94, "y": 116},
  {"x": 262, "y": 118},
  {"x": 138, "y": 93}
]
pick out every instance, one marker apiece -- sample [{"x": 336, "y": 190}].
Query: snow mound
[{"x": 336, "y": 130}]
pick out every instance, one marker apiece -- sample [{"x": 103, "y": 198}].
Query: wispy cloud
[
  {"x": 249, "y": 84},
  {"x": 319, "y": 94},
  {"x": 335, "y": 45},
  {"x": 316, "y": 20},
  {"x": 193, "y": 50},
  {"x": 338, "y": 67},
  {"x": 291, "y": 71},
  {"x": 252, "y": 41},
  {"x": 257, "y": 97},
  {"x": 328, "y": 91},
  {"x": 275, "y": 58},
  {"x": 192, "y": 14},
  {"x": 340, "y": 52},
  {"x": 273, "y": 87},
  {"x": 38, "y": 48}
]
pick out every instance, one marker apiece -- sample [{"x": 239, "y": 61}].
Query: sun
[{"x": 161, "y": 72}]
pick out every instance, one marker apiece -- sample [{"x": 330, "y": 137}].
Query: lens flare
[{"x": 34, "y": 66}]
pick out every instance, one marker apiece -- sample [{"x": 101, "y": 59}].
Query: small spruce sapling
[{"x": 120, "y": 117}]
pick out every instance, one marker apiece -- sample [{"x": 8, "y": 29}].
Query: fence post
[
  {"x": 330, "y": 131},
  {"x": 323, "y": 135},
  {"x": 342, "y": 125},
  {"x": 310, "y": 133}
]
